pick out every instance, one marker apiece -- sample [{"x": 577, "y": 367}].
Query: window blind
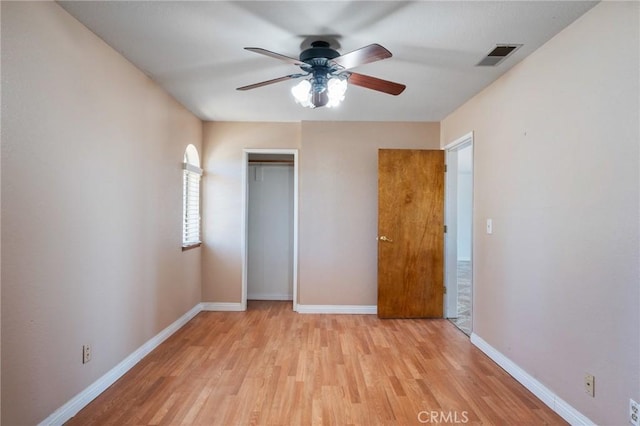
[{"x": 191, "y": 205}]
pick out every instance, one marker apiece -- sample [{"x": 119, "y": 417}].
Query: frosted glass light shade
[
  {"x": 336, "y": 88},
  {"x": 302, "y": 93}
]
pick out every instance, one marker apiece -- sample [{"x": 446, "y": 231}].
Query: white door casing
[
  {"x": 452, "y": 206},
  {"x": 245, "y": 222}
]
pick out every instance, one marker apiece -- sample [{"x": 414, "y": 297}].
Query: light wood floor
[{"x": 271, "y": 366}]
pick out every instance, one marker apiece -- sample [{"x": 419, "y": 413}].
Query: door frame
[
  {"x": 245, "y": 221},
  {"x": 451, "y": 210}
]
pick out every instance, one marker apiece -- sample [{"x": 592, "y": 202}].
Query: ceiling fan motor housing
[
  {"x": 317, "y": 59},
  {"x": 318, "y": 49}
]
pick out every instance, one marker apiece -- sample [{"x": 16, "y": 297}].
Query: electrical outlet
[
  {"x": 86, "y": 353},
  {"x": 589, "y": 385},
  {"x": 634, "y": 413}
]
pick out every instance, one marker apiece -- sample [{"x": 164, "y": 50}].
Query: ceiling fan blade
[
  {"x": 274, "y": 55},
  {"x": 364, "y": 55},
  {"x": 265, "y": 83},
  {"x": 378, "y": 84}
]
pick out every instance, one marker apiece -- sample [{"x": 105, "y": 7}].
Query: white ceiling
[{"x": 195, "y": 50}]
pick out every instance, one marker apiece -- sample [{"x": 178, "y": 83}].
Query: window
[{"x": 191, "y": 198}]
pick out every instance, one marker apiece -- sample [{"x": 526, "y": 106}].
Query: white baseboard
[
  {"x": 557, "y": 404},
  {"x": 78, "y": 402},
  {"x": 222, "y": 306},
  {"x": 338, "y": 309}
]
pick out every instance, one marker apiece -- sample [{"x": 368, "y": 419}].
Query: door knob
[{"x": 387, "y": 239}]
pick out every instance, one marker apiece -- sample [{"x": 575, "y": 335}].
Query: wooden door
[{"x": 410, "y": 233}]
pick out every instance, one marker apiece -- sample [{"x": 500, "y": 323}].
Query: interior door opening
[
  {"x": 459, "y": 241},
  {"x": 270, "y": 231}
]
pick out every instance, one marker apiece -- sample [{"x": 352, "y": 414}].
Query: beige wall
[
  {"x": 91, "y": 197},
  {"x": 223, "y": 197},
  {"x": 556, "y": 167},
  {"x": 339, "y": 206},
  {"x": 337, "y": 210}
]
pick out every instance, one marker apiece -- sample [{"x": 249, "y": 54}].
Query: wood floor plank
[{"x": 271, "y": 366}]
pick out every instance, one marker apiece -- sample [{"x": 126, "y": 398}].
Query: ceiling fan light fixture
[{"x": 318, "y": 92}]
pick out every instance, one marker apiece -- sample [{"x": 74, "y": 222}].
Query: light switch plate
[{"x": 489, "y": 226}]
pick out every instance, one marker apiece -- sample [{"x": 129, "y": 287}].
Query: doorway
[
  {"x": 270, "y": 233},
  {"x": 459, "y": 240}
]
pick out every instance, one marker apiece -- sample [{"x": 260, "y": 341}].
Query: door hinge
[
  {"x": 445, "y": 168},
  {"x": 445, "y": 229},
  {"x": 445, "y": 290}
]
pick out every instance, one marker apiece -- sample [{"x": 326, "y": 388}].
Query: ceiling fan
[{"x": 328, "y": 73}]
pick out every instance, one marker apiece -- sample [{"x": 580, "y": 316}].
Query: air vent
[{"x": 499, "y": 54}]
